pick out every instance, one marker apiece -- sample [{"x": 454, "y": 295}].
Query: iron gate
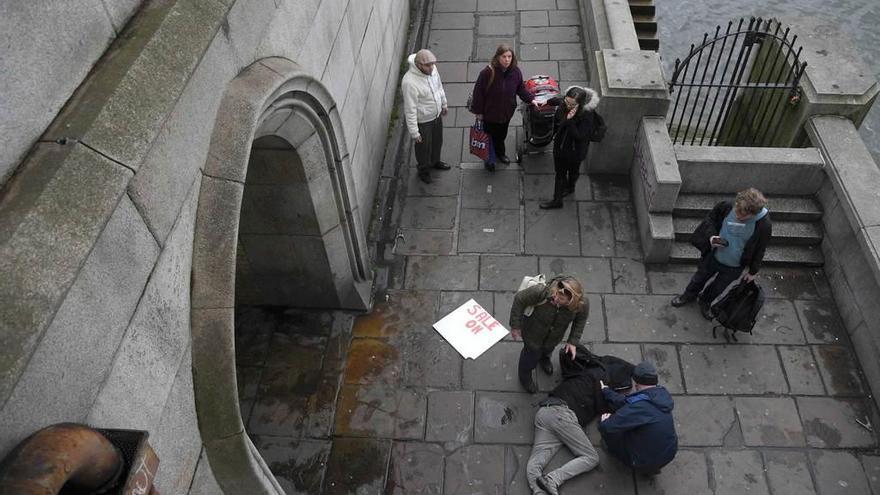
[{"x": 731, "y": 110}]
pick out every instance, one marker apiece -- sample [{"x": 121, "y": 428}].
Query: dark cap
[{"x": 645, "y": 374}]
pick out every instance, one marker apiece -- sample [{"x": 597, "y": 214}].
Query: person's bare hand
[
  {"x": 536, "y": 104},
  {"x": 604, "y": 416},
  {"x": 515, "y": 333},
  {"x": 572, "y": 112},
  {"x": 602, "y": 384},
  {"x": 479, "y": 116},
  {"x": 569, "y": 348},
  {"x": 444, "y": 112},
  {"x": 419, "y": 139},
  {"x": 748, "y": 277}
]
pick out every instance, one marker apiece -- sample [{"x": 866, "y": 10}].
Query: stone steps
[
  {"x": 795, "y": 208},
  {"x": 683, "y": 252},
  {"x": 785, "y": 232},
  {"x": 643, "y": 13}
]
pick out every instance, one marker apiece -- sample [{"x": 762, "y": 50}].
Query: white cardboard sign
[{"x": 470, "y": 329}]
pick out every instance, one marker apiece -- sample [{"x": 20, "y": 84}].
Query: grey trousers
[
  {"x": 556, "y": 426},
  {"x": 428, "y": 151}
]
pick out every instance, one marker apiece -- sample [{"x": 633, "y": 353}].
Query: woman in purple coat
[{"x": 494, "y": 98}]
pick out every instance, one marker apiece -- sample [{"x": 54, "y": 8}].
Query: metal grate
[{"x": 735, "y": 88}]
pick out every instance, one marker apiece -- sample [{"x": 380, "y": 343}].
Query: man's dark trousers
[
  {"x": 428, "y": 151},
  {"x": 710, "y": 266}
]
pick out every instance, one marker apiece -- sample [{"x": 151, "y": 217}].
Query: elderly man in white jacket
[{"x": 424, "y": 105}]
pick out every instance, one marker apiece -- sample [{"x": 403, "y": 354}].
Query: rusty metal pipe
[{"x": 68, "y": 455}]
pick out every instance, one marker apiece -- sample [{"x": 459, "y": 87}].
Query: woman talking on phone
[{"x": 574, "y": 121}]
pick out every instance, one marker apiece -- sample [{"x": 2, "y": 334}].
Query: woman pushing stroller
[{"x": 574, "y": 122}]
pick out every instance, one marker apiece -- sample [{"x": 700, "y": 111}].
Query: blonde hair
[
  {"x": 574, "y": 288},
  {"x": 751, "y": 201}
]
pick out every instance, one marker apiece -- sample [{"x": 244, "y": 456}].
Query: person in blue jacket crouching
[{"x": 640, "y": 432}]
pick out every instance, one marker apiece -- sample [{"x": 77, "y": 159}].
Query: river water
[{"x": 682, "y": 22}]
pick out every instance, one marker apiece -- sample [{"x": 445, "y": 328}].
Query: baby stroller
[{"x": 537, "y": 123}]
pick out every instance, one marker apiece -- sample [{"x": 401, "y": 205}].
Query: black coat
[
  {"x": 753, "y": 253},
  {"x": 572, "y": 136}
]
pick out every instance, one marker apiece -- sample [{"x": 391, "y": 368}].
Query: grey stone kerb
[{"x": 259, "y": 102}]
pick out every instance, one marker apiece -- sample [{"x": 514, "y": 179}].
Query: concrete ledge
[
  {"x": 64, "y": 196},
  {"x": 656, "y": 165},
  {"x": 620, "y": 25},
  {"x": 244, "y": 469},
  {"x": 722, "y": 169}
]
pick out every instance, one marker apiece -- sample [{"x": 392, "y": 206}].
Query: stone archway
[{"x": 272, "y": 114}]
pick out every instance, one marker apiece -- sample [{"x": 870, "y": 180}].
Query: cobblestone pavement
[{"x": 380, "y": 403}]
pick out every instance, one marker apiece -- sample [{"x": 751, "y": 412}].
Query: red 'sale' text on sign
[{"x": 480, "y": 319}]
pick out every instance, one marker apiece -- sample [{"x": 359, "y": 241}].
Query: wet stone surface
[{"x": 343, "y": 403}]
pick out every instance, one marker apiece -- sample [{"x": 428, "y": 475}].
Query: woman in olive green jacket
[{"x": 556, "y": 305}]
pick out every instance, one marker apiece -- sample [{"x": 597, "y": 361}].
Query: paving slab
[
  {"x": 838, "y": 473},
  {"x": 503, "y": 303},
  {"x": 732, "y": 369},
  {"x": 537, "y": 51},
  {"x": 769, "y": 421},
  {"x": 380, "y": 410},
  {"x": 453, "y": 144},
  {"x": 801, "y": 370},
  {"x": 839, "y": 369},
  {"x": 450, "y": 417},
  {"x": 572, "y": 69},
  {"x": 533, "y": 19},
  {"x": 646, "y": 318},
  {"x": 628, "y": 276},
  {"x": 298, "y": 465},
  {"x": 443, "y": 182},
  {"x": 429, "y": 213},
  {"x": 515, "y": 460},
  {"x": 789, "y": 283},
  {"x": 496, "y": 5},
  {"x": 504, "y": 417},
  {"x": 505, "y": 272},
  {"x": 668, "y": 282},
  {"x": 610, "y": 187},
  {"x": 597, "y": 233},
  {"x": 822, "y": 324},
  {"x": 373, "y": 361},
  {"x": 499, "y": 190},
  {"x": 703, "y": 421},
  {"x": 451, "y": 300},
  {"x": 566, "y": 51},
  {"x": 455, "y": 6},
  {"x": 777, "y": 324},
  {"x": 872, "y": 471},
  {"x": 539, "y": 187},
  {"x": 496, "y": 369},
  {"x": 594, "y": 274},
  {"x": 494, "y": 25},
  {"x": 431, "y": 362},
  {"x": 738, "y": 471},
  {"x": 442, "y": 272},
  {"x": 544, "y": 67},
  {"x": 415, "y": 468},
  {"x": 489, "y": 231},
  {"x": 629, "y": 352},
  {"x": 278, "y": 416},
  {"x": 456, "y": 96},
  {"x": 535, "y": 4},
  {"x": 831, "y": 423},
  {"x": 788, "y": 473},
  {"x": 624, "y": 219},
  {"x": 397, "y": 314},
  {"x": 475, "y": 469},
  {"x": 567, "y": 15},
  {"x": 665, "y": 358},
  {"x": 686, "y": 474},
  {"x": 356, "y": 465},
  {"x": 456, "y": 20},
  {"x": 610, "y": 476},
  {"x": 424, "y": 242},
  {"x": 551, "y": 232},
  {"x": 539, "y": 162},
  {"x": 451, "y": 44}
]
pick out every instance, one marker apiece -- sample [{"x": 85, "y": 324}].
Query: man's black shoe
[
  {"x": 489, "y": 166},
  {"x": 442, "y": 166},
  {"x": 546, "y": 485},
  {"x": 568, "y": 191},
  {"x": 706, "y": 311},
  {"x": 529, "y": 386},
  {"x": 503, "y": 159},
  {"x": 425, "y": 177},
  {"x": 680, "y": 300},
  {"x": 546, "y": 366},
  {"x": 551, "y": 205}
]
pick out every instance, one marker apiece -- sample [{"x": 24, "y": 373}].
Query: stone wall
[
  {"x": 96, "y": 231},
  {"x": 48, "y": 49},
  {"x": 850, "y": 198}
]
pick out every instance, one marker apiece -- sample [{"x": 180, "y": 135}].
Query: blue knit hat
[{"x": 645, "y": 374}]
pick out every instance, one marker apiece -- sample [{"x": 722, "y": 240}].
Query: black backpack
[
  {"x": 597, "y": 134},
  {"x": 738, "y": 310}
]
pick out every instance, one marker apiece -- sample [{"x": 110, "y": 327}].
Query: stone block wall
[
  {"x": 96, "y": 234},
  {"x": 48, "y": 49},
  {"x": 655, "y": 182},
  {"x": 850, "y": 198}
]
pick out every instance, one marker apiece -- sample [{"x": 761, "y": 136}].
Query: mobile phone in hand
[{"x": 722, "y": 242}]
